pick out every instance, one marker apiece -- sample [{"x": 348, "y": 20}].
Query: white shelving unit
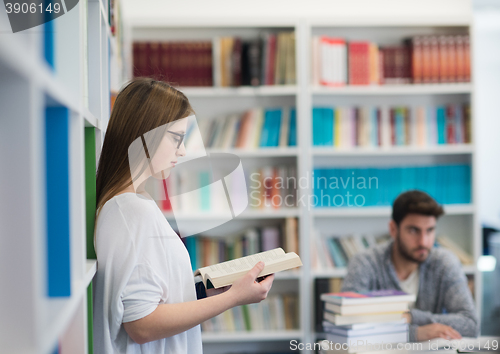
[
  {"x": 213, "y": 101},
  {"x": 359, "y": 19},
  {"x": 31, "y": 321}
]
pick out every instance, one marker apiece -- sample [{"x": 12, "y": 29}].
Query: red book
[
  {"x": 434, "y": 50},
  {"x": 236, "y": 62},
  {"x": 208, "y": 64},
  {"x": 140, "y": 59},
  {"x": 359, "y": 63},
  {"x": 165, "y": 60},
  {"x": 467, "y": 124},
  {"x": 271, "y": 59},
  {"x": 154, "y": 60},
  {"x": 450, "y": 124}
]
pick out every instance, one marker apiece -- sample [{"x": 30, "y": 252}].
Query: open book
[{"x": 225, "y": 273}]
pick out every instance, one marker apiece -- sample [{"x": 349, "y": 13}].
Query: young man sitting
[{"x": 444, "y": 306}]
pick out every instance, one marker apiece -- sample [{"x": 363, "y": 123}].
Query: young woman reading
[{"x": 145, "y": 298}]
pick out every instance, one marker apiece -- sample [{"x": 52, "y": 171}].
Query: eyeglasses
[{"x": 180, "y": 137}]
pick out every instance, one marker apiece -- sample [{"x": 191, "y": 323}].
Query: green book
[{"x": 90, "y": 189}]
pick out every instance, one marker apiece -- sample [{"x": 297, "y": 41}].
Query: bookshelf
[
  {"x": 342, "y": 20},
  {"x": 56, "y": 105}
]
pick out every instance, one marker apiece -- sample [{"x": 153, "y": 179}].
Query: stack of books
[{"x": 359, "y": 319}]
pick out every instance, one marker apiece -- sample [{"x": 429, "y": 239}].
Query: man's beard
[{"x": 406, "y": 253}]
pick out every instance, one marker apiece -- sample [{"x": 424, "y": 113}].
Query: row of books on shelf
[
  {"x": 222, "y": 62},
  {"x": 275, "y": 313},
  {"x": 374, "y": 317},
  {"x": 186, "y": 63},
  {"x": 335, "y": 251},
  {"x": 363, "y": 187},
  {"x": 268, "y": 188},
  {"x": 419, "y": 59},
  {"x": 267, "y": 60},
  {"x": 347, "y": 127},
  {"x": 255, "y": 128},
  {"x": 205, "y": 250}
]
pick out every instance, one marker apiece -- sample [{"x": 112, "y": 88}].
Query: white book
[
  {"x": 216, "y": 58},
  {"x": 352, "y": 319},
  {"x": 316, "y": 61},
  {"x": 366, "y": 340},
  {"x": 385, "y": 126},
  {"x": 366, "y": 309},
  {"x": 366, "y": 325},
  {"x": 284, "y": 128},
  {"x": 379, "y": 328}
]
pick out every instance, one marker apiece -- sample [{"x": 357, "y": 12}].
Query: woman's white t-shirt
[{"x": 141, "y": 263}]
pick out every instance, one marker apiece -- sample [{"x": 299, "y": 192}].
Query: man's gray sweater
[{"x": 443, "y": 294}]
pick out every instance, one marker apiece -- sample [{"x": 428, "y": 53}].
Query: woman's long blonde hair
[{"x": 141, "y": 106}]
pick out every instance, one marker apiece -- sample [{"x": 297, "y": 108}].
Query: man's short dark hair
[{"x": 415, "y": 202}]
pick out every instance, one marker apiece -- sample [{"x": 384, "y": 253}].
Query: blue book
[
  {"x": 327, "y": 128},
  {"x": 48, "y": 48},
  {"x": 317, "y": 186},
  {"x": 264, "y": 135},
  {"x": 57, "y": 201},
  {"x": 204, "y": 180},
  {"x": 441, "y": 124},
  {"x": 191, "y": 248},
  {"x": 335, "y": 253},
  {"x": 400, "y": 128},
  {"x": 317, "y": 116},
  {"x": 277, "y": 117},
  {"x": 292, "y": 133},
  {"x": 466, "y": 184}
]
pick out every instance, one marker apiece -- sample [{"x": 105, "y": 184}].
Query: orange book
[
  {"x": 417, "y": 59},
  {"x": 444, "y": 57},
  {"x": 452, "y": 59},
  {"x": 434, "y": 56},
  {"x": 244, "y": 129},
  {"x": 466, "y": 59},
  {"x": 374, "y": 65},
  {"x": 420, "y": 126},
  {"x": 460, "y": 65},
  {"x": 426, "y": 59}
]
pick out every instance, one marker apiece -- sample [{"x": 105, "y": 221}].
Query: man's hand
[
  {"x": 407, "y": 316},
  {"x": 436, "y": 330}
]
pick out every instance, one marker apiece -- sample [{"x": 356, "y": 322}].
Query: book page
[{"x": 245, "y": 263}]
